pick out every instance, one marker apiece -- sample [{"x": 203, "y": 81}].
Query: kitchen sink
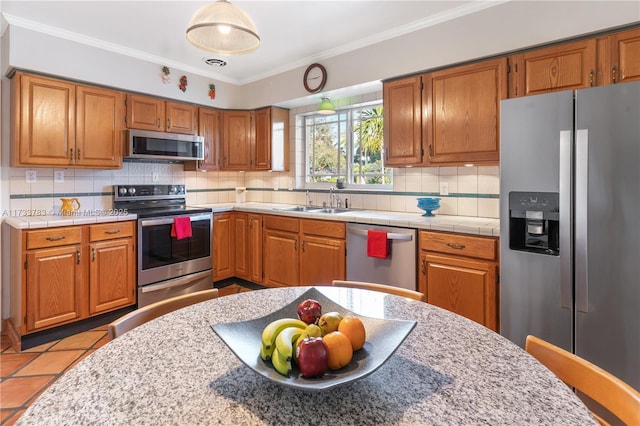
[
  {"x": 299, "y": 209},
  {"x": 313, "y": 209}
]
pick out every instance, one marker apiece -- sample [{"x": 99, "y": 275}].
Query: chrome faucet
[
  {"x": 334, "y": 196},
  {"x": 308, "y": 199}
]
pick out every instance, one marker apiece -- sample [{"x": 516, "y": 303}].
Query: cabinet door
[
  {"x": 280, "y": 258},
  {"x": 403, "y": 122},
  {"x": 209, "y": 129},
  {"x": 236, "y": 141},
  {"x": 567, "y": 66},
  {"x": 112, "y": 275},
  {"x": 181, "y": 118},
  {"x": 46, "y": 129},
  {"x": 463, "y": 286},
  {"x": 262, "y": 145},
  {"x": 222, "y": 246},
  {"x": 625, "y": 56},
  {"x": 255, "y": 247},
  {"x": 322, "y": 260},
  {"x": 240, "y": 240},
  {"x": 98, "y": 127},
  {"x": 463, "y": 110},
  {"x": 145, "y": 113},
  {"x": 54, "y": 279}
]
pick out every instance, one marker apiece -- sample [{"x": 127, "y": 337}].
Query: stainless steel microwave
[{"x": 165, "y": 146}]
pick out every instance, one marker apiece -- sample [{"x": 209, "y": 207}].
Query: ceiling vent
[{"x": 214, "y": 62}]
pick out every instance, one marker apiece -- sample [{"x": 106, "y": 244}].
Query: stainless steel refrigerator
[{"x": 570, "y": 223}]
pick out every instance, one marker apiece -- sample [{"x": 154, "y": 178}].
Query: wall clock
[{"x": 315, "y": 77}]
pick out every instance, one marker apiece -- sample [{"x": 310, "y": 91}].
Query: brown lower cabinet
[
  {"x": 66, "y": 274},
  {"x": 459, "y": 273},
  {"x": 278, "y": 251}
]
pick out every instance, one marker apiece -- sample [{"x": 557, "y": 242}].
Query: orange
[
  {"x": 339, "y": 348},
  {"x": 353, "y": 328}
]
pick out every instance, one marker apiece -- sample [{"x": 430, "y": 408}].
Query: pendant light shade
[
  {"x": 326, "y": 107},
  {"x": 221, "y": 27}
]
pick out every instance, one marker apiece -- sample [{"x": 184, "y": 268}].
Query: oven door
[{"x": 162, "y": 257}]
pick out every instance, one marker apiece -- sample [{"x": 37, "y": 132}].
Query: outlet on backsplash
[{"x": 444, "y": 188}]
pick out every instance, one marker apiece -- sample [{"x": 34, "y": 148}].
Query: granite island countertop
[{"x": 176, "y": 370}]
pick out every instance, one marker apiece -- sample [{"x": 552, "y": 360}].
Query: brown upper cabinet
[
  {"x": 462, "y": 113},
  {"x": 624, "y": 56},
  {"x": 402, "y": 102},
  {"x": 58, "y": 123},
  {"x": 209, "y": 128},
  {"x": 148, "y": 113},
  {"x": 447, "y": 117},
  {"x": 255, "y": 139},
  {"x": 565, "y": 66}
]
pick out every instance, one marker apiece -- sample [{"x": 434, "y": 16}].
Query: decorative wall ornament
[
  {"x": 183, "y": 83},
  {"x": 165, "y": 75},
  {"x": 212, "y": 91}
]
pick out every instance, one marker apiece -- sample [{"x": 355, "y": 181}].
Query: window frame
[{"x": 349, "y": 151}]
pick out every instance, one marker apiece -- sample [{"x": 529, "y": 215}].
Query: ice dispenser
[{"x": 534, "y": 222}]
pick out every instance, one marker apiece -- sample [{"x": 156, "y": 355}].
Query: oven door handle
[
  {"x": 177, "y": 282},
  {"x": 169, "y": 220}
]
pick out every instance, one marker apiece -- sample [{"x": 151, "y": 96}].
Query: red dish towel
[
  {"x": 181, "y": 227},
  {"x": 377, "y": 245}
]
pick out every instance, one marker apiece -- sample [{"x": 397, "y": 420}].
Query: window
[{"x": 347, "y": 145}]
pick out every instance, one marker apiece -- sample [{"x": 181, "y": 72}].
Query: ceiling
[{"x": 293, "y": 33}]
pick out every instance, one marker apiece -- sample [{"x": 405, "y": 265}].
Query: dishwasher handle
[{"x": 390, "y": 235}]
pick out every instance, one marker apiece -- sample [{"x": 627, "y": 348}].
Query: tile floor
[{"x": 25, "y": 375}]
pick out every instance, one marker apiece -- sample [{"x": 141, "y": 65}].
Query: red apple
[
  {"x": 312, "y": 357},
  {"x": 309, "y": 311}
]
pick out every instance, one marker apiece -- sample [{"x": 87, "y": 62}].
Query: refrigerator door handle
[
  {"x": 565, "y": 220},
  {"x": 581, "y": 220}
]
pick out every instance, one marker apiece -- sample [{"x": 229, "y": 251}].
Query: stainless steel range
[{"x": 169, "y": 263}]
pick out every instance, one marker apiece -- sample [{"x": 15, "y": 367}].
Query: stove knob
[
  {"x": 122, "y": 190},
  {"x": 173, "y": 190},
  {"x": 132, "y": 190}
]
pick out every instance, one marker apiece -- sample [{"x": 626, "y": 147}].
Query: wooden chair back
[
  {"x": 398, "y": 291},
  {"x": 155, "y": 310},
  {"x": 610, "y": 392}
]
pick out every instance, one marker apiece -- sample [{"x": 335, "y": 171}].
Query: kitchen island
[{"x": 175, "y": 370}]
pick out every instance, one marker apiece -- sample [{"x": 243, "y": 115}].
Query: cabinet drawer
[
  {"x": 108, "y": 231},
  {"x": 54, "y": 237},
  {"x": 324, "y": 228},
  {"x": 463, "y": 245},
  {"x": 281, "y": 223}
]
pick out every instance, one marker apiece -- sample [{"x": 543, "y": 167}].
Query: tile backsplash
[{"x": 473, "y": 191}]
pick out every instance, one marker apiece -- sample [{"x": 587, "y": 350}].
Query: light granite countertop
[
  {"x": 460, "y": 224},
  {"x": 174, "y": 370}
]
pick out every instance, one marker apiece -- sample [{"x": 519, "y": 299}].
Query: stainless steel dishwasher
[{"x": 398, "y": 269}]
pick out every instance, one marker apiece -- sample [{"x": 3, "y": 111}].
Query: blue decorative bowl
[{"x": 428, "y": 204}]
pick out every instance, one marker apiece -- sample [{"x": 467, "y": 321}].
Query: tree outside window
[{"x": 347, "y": 146}]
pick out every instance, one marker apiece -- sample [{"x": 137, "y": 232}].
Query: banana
[
  {"x": 274, "y": 328},
  {"x": 285, "y": 340},
  {"x": 283, "y": 367},
  {"x": 265, "y": 354}
]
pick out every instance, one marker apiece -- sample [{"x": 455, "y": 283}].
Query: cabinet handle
[
  {"x": 115, "y": 231},
  {"x": 423, "y": 266},
  {"x": 93, "y": 254},
  {"x": 456, "y": 246},
  {"x": 71, "y": 154},
  {"x": 614, "y": 71},
  {"x": 302, "y": 245},
  {"x": 295, "y": 245},
  {"x": 158, "y": 122},
  {"x": 591, "y": 78},
  {"x": 430, "y": 151},
  {"x": 58, "y": 238},
  {"x": 168, "y": 123},
  {"x": 78, "y": 154},
  {"x": 78, "y": 254}
]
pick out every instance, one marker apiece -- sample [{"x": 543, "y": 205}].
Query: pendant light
[
  {"x": 326, "y": 107},
  {"x": 221, "y": 27}
]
